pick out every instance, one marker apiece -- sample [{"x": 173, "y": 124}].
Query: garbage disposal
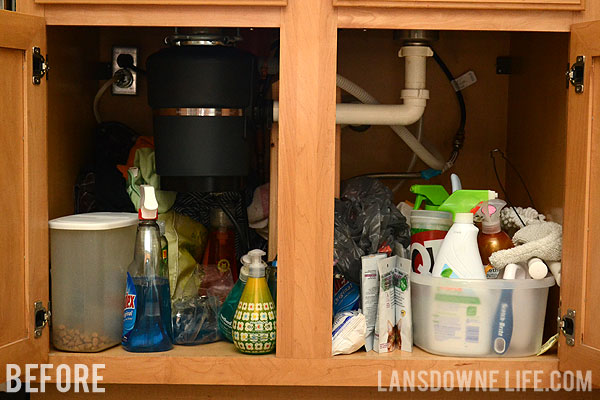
[{"x": 201, "y": 89}]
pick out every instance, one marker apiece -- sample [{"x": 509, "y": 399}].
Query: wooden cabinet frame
[
  {"x": 466, "y": 4},
  {"x": 306, "y": 184}
]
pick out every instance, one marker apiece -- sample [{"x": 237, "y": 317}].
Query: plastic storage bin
[
  {"x": 89, "y": 258},
  {"x": 479, "y": 318}
]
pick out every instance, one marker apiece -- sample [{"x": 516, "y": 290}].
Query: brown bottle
[{"x": 491, "y": 238}]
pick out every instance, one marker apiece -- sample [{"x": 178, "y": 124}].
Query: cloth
[
  {"x": 542, "y": 240},
  {"x": 140, "y": 143},
  {"x": 144, "y": 173}
]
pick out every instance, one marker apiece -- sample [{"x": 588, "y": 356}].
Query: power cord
[{"x": 510, "y": 203}]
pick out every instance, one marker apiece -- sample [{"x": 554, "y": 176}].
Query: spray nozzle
[
  {"x": 148, "y": 203},
  {"x": 433, "y": 195},
  {"x": 488, "y": 212}
]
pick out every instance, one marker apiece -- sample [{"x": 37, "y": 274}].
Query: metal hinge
[
  {"x": 575, "y": 74},
  {"x": 40, "y": 66},
  {"x": 566, "y": 325},
  {"x": 42, "y": 318}
]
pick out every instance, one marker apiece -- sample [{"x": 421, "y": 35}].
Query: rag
[
  {"x": 542, "y": 240},
  {"x": 510, "y": 219}
]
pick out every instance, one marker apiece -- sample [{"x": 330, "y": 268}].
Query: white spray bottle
[{"x": 459, "y": 254}]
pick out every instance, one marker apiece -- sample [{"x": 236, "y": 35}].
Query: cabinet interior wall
[
  {"x": 76, "y": 54},
  {"x": 522, "y": 113}
]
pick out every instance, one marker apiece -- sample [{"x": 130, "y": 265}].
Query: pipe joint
[
  {"x": 414, "y": 94},
  {"x": 415, "y": 51}
]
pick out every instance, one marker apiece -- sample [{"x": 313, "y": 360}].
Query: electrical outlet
[{"x": 116, "y": 52}]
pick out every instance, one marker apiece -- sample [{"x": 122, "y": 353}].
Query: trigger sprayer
[
  {"x": 436, "y": 198},
  {"x": 489, "y": 214}
]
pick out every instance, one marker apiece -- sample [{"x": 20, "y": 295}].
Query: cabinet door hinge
[
  {"x": 575, "y": 74},
  {"x": 42, "y": 318},
  {"x": 566, "y": 325},
  {"x": 40, "y": 66}
]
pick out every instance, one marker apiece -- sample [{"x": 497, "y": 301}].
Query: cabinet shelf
[{"x": 220, "y": 364}]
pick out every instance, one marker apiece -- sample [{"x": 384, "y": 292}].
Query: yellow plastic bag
[{"x": 187, "y": 241}]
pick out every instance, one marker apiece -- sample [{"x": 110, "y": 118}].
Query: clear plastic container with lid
[{"x": 89, "y": 258}]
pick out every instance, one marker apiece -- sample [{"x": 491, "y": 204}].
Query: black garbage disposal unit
[{"x": 201, "y": 90}]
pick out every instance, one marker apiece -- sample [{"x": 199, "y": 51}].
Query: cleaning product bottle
[
  {"x": 164, "y": 245},
  {"x": 230, "y": 304},
  {"x": 147, "y": 315},
  {"x": 491, "y": 238},
  {"x": 254, "y": 322},
  {"x": 220, "y": 250},
  {"x": 272, "y": 280},
  {"x": 459, "y": 256},
  {"x": 436, "y": 198}
]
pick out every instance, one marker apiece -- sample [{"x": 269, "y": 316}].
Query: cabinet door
[
  {"x": 581, "y": 251},
  {"x": 490, "y": 4},
  {"x": 23, "y": 192}
]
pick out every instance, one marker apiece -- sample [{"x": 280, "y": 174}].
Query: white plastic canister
[
  {"x": 427, "y": 231},
  {"x": 89, "y": 256}
]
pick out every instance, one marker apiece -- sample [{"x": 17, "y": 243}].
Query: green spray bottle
[
  {"x": 436, "y": 198},
  {"x": 230, "y": 304}
]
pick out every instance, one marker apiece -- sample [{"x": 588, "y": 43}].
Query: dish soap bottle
[
  {"x": 231, "y": 302},
  {"x": 254, "y": 323},
  {"x": 491, "y": 238},
  {"x": 459, "y": 256},
  {"x": 147, "y": 316},
  {"x": 220, "y": 250}
]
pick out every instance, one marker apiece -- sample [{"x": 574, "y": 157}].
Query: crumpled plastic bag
[
  {"x": 187, "y": 240},
  {"x": 348, "y": 332},
  {"x": 366, "y": 221},
  {"x": 195, "y": 320},
  {"x": 214, "y": 281}
]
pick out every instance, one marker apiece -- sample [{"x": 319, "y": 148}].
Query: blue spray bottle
[{"x": 147, "y": 315}]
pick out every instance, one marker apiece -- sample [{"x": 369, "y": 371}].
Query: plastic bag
[
  {"x": 186, "y": 240},
  {"x": 195, "y": 320},
  {"x": 348, "y": 332},
  {"x": 366, "y": 220},
  {"x": 214, "y": 282}
]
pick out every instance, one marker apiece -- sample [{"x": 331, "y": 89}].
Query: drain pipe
[{"x": 414, "y": 97}]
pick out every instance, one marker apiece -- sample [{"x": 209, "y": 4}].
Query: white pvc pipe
[
  {"x": 372, "y": 113},
  {"x": 378, "y": 114}
]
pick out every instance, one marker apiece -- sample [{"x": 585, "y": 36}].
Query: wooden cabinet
[
  {"x": 24, "y": 241},
  {"x": 581, "y": 229},
  {"x": 307, "y": 154},
  {"x": 484, "y": 4},
  {"x": 237, "y": 3}
]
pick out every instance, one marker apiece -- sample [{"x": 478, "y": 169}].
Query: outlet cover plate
[{"x": 116, "y": 51}]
